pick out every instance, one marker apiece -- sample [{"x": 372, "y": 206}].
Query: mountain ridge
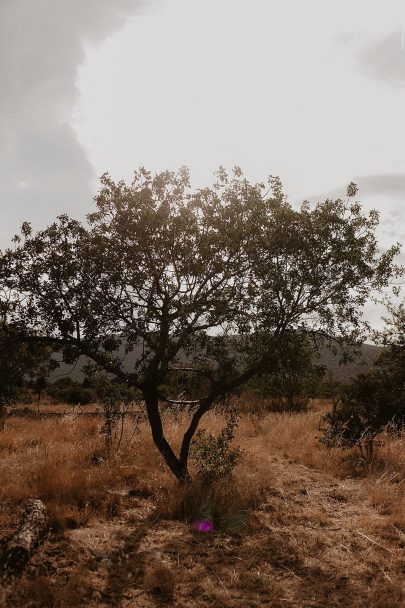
[{"x": 336, "y": 371}]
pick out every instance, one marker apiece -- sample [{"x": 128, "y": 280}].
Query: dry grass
[
  {"x": 52, "y": 459},
  {"x": 386, "y": 481},
  {"x": 296, "y": 436},
  {"x": 159, "y": 581},
  {"x": 298, "y": 523}
]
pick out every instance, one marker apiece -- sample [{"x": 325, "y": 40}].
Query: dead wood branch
[
  {"x": 20, "y": 547},
  {"x": 183, "y": 402}
]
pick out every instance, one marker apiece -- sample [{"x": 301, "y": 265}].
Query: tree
[
  {"x": 373, "y": 402},
  {"x": 19, "y": 362},
  {"x": 216, "y": 278},
  {"x": 295, "y": 377}
]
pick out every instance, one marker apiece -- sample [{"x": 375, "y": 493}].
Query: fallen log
[{"x": 20, "y": 547}]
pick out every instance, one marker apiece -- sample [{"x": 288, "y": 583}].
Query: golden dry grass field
[{"x": 299, "y": 525}]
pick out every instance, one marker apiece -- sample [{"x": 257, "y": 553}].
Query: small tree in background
[
  {"x": 220, "y": 276},
  {"x": 20, "y": 362},
  {"x": 295, "y": 378},
  {"x": 39, "y": 385},
  {"x": 115, "y": 398}
]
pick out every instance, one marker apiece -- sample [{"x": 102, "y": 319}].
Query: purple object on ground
[{"x": 204, "y": 525}]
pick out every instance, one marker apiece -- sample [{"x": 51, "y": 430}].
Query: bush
[
  {"x": 219, "y": 502},
  {"x": 372, "y": 403},
  {"x": 116, "y": 398},
  {"x": 19, "y": 362},
  {"x": 213, "y": 456},
  {"x": 66, "y": 390}
]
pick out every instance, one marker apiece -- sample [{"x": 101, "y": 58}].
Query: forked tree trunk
[
  {"x": 32, "y": 528},
  {"x": 178, "y": 465},
  {"x": 205, "y": 405},
  {"x": 179, "y": 469}
]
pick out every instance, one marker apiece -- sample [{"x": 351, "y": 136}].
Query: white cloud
[
  {"x": 43, "y": 167},
  {"x": 384, "y": 59},
  {"x": 272, "y": 86}
]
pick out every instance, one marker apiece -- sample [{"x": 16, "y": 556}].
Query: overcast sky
[
  {"x": 313, "y": 91},
  {"x": 44, "y": 168}
]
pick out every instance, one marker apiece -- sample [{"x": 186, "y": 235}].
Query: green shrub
[
  {"x": 66, "y": 390},
  {"x": 372, "y": 403},
  {"x": 213, "y": 455}
]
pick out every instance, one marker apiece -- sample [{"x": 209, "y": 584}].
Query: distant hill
[
  {"x": 360, "y": 363},
  {"x": 340, "y": 373},
  {"x": 76, "y": 371}
]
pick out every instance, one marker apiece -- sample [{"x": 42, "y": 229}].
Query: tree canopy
[
  {"x": 19, "y": 362},
  {"x": 221, "y": 277}
]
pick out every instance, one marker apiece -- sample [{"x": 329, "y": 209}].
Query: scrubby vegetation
[
  {"x": 374, "y": 402},
  {"x": 19, "y": 363},
  {"x": 295, "y": 523},
  {"x": 66, "y": 390}
]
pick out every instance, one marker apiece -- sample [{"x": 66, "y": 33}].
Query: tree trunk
[
  {"x": 189, "y": 434},
  {"x": 179, "y": 469},
  {"x": 33, "y": 526}
]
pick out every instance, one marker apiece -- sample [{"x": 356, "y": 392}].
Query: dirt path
[
  {"x": 314, "y": 542},
  {"x": 334, "y": 548}
]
